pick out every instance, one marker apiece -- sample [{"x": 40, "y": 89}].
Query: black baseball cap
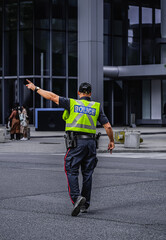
[{"x": 85, "y": 88}]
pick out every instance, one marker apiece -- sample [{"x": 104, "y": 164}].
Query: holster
[
  {"x": 70, "y": 140},
  {"x": 97, "y": 136}
]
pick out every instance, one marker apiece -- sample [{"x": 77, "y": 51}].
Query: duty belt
[{"x": 85, "y": 136}]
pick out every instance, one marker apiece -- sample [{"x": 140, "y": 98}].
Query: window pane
[
  {"x": 46, "y": 86},
  {"x": 72, "y": 15},
  {"x": 42, "y": 14},
  {"x": 58, "y": 54},
  {"x": 11, "y": 53},
  {"x": 10, "y": 95},
  {"x": 59, "y": 88},
  {"x": 58, "y": 14},
  {"x": 107, "y": 18},
  {"x": 147, "y": 42},
  {"x": 133, "y": 51},
  {"x": 107, "y": 51},
  {"x": 157, "y": 23},
  {"x": 146, "y": 99},
  {"x": 133, "y": 18},
  {"x": 26, "y": 95},
  {"x": 72, "y": 51},
  {"x": 1, "y": 101},
  {"x": 118, "y": 58},
  {"x": 26, "y": 53},
  {"x": 72, "y": 89},
  {"x": 0, "y": 40},
  {"x": 10, "y": 14},
  {"x": 146, "y": 22},
  {"x": 42, "y": 52},
  {"x": 26, "y": 14},
  {"x": 164, "y": 98}
]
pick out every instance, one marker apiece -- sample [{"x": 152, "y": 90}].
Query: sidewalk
[{"x": 154, "y": 140}]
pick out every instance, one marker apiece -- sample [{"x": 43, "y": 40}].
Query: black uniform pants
[{"x": 83, "y": 155}]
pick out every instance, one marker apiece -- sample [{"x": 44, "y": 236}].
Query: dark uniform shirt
[{"x": 65, "y": 103}]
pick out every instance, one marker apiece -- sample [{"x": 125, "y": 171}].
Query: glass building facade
[{"x": 39, "y": 41}]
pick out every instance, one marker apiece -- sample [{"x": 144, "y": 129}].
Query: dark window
[
  {"x": 59, "y": 87},
  {"x": 147, "y": 41},
  {"x": 42, "y": 52},
  {"x": 72, "y": 88},
  {"x": 10, "y": 53},
  {"x": 42, "y": 14},
  {"x": 58, "y": 15},
  {"x": 10, "y": 14},
  {"x": 72, "y": 15},
  {"x": 107, "y": 50},
  {"x": 58, "y": 54},
  {"x": 26, "y": 52},
  {"x": 72, "y": 54},
  {"x": 26, "y": 14}
]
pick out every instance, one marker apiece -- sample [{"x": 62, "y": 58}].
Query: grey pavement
[
  {"x": 128, "y": 195},
  {"x": 154, "y": 141}
]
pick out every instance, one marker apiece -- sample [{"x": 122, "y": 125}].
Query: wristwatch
[{"x": 36, "y": 89}]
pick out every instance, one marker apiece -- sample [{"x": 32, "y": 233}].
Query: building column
[
  {"x": 90, "y": 45},
  {"x": 163, "y": 30},
  {"x": 163, "y": 40}
]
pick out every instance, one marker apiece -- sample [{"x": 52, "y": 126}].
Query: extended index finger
[{"x": 28, "y": 81}]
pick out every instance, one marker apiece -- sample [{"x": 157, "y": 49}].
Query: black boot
[{"x": 11, "y": 136}]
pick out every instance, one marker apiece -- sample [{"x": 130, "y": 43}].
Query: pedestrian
[
  {"x": 24, "y": 123},
  {"x": 81, "y": 118},
  {"x": 15, "y": 124}
]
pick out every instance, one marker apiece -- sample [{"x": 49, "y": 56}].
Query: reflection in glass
[
  {"x": 147, "y": 42},
  {"x": 72, "y": 54},
  {"x": 10, "y": 43},
  {"x": 26, "y": 52},
  {"x": 133, "y": 51},
  {"x": 26, "y": 14},
  {"x": 72, "y": 15},
  {"x": 72, "y": 88},
  {"x": 59, "y": 88},
  {"x": 157, "y": 23},
  {"x": 10, "y": 14},
  {"x": 58, "y": 15},
  {"x": 42, "y": 14},
  {"x": 42, "y": 52},
  {"x": 58, "y": 54},
  {"x": 133, "y": 18}
]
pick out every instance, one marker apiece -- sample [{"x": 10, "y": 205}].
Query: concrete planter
[{"x": 132, "y": 139}]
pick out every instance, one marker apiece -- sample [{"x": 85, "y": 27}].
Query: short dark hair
[{"x": 85, "y": 88}]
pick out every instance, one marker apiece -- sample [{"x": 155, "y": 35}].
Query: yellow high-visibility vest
[{"x": 83, "y": 116}]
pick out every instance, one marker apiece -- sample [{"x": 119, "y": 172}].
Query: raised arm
[
  {"x": 109, "y": 132},
  {"x": 46, "y": 94}
]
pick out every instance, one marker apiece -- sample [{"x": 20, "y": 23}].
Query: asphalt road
[{"x": 128, "y": 199}]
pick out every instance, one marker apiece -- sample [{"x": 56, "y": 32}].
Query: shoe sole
[{"x": 76, "y": 209}]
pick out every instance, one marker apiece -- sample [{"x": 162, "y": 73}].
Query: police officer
[{"x": 81, "y": 118}]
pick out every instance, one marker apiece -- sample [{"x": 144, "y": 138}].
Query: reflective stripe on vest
[{"x": 90, "y": 111}]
